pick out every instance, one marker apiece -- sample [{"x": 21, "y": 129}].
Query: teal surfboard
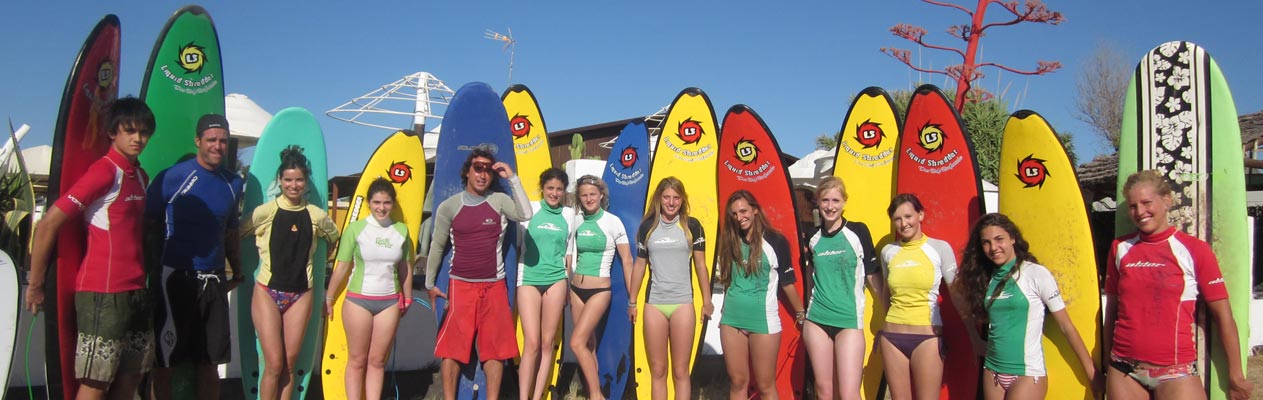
[
  {"x": 291, "y": 126},
  {"x": 183, "y": 81},
  {"x": 1179, "y": 119}
]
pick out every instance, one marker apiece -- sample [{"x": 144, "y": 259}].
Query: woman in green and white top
[
  {"x": 377, "y": 254},
  {"x": 542, "y": 292},
  {"x": 598, "y": 235},
  {"x": 753, "y": 262},
  {"x": 1006, "y": 288}
]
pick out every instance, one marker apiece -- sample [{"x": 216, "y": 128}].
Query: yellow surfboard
[
  {"x": 865, "y": 161},
  {"x": 530, "y": 145},
  {"x": 1040, "y": 193},
  {"x": 401, "y": 160},
  {"x": 687, "y": 147}
]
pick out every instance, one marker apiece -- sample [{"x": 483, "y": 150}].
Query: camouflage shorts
[{"x": 115, "y": 334}]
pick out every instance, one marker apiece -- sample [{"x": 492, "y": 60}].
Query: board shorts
[
  {"x": 192, "y": 318},
  {"x": 477, "y": 311},
  {"x": 115, "y": 334}
]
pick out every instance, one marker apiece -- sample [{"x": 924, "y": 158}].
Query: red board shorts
[{"x": 477, "y": 311}]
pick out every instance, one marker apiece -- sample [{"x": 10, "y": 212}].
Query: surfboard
[
  {"x": 475, "y": 117},
  {"x": 865, "y": 160},
  {"x": 750, "y": 159},
  {"x": 17, "y": 226},
  {"x": 79, "y": 139},
  {"x": 401, "y": 160},
  {"x": 1038, "y": 190},
  {"x": 291, "y": 126},
  {"x": 183, "y": 81},
  {"x": 936, "y": 162},
  {"x": 530, "y": 137},
  {"x": 627, "y": 175},
  {"x": 1179, "y": 118},
  {"x": 687, "y": 148},
  {"x": 530, "y": 146}
]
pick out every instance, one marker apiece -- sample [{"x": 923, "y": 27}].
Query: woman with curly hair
[{"x": 1009, "y": 292}]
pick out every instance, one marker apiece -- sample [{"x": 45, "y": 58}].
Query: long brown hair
[
  {"x": 655, "y": 206},
  {"x": 730, "y": 239},
  {"x": 977, "y": 270}
]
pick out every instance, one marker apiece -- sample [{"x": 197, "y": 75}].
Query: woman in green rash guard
[
  {"x": 542, "y": 291},
  {"x": 597, "y": 237},
  {"x": 753, "y": 261},
  {"x": 1006, "y": 289},
  {"x": 380, "y": 291}
]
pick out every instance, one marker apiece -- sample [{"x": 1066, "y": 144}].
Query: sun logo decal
[
  {"x": 1032, "y": 172},
  {"x": 869, "y": 134},
  {"x": 520, "y": 125},
  {"x": 747, "y": 151},
  {"x": 105, "y": 74},
  {"x": 932, "y": 137},
  {"x": 689, "y": 131},
  {"x": 192, "y": 58},
  {"x": 628, "y": 157},
  {"x": 399, "y": 172}
]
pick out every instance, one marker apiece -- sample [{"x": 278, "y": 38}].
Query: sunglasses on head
[{"x": 481, "y": 167}]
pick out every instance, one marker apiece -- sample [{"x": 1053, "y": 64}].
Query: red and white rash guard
[
  {"x": 1157, "y": 280},
  {"x": 110, "y": 197}
]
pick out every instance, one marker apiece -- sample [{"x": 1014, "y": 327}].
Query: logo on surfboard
[
  {"x": 105, "y": 74},
  {"x": 869, "y": 134},
  {"x": 746, "y": 151},
  {"x": 689, "y": 131},
  {"x": 520, "y": 125},
  {"x": 191, "y": 57},
  {"x": 931, "y": 137},
  {"x": 1032, "y": 172},
  {"x": 628, "y": 157},
  {"x": 399, "y": 172}
]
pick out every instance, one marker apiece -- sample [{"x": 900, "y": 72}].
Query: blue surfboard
[
  {"x": 475, "y": 117},
  {"x": 627, "y": 175}
]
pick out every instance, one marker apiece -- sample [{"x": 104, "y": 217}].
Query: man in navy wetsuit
[{"x": 192, "y": 216}]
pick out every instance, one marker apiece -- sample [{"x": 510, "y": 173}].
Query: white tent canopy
[{"x": 245, "y": 119}]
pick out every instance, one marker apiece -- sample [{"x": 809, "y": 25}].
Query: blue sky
[{"x": 797, "y": 63}]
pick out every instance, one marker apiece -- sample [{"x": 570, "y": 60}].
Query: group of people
[{"x": 1155, "y": 277}]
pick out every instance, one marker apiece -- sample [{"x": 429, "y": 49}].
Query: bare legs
[
  {"x": 537, "y": 312},
  {"x": 369, "y": 339},
  {"x": 678, "y": 333},
  {"x": 582, "y": 342},
  {"x": 739, "y": 350},
  {"x": 281, "y": 338}
]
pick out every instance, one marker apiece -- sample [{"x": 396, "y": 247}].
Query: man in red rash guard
[
  {"x": 473, "y": 222},
  {"x": 114, "y": 312}
]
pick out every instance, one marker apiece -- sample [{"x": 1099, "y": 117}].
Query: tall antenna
[{"x": 510, "y": 45}]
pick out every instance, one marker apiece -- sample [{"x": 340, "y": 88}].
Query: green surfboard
[
  {"x": 183, "y": 81},
  {"x": 291, "y": 126},
  {"x": 1179, "y": 119}
]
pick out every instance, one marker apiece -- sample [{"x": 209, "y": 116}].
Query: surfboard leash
[{"x": 30, "y": 390}]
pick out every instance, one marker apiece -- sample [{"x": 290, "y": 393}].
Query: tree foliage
[
  {"x": 967, "y": 71},
  {"x": 1102, "y": 89}
]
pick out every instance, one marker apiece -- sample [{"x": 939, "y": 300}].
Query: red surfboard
[
  {"x": 936, "y": 162},
  {"x": 750, "y": 159},
  {"x": 78, "y": 140}
]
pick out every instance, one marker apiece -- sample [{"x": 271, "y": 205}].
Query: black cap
[{"x": 211, "y": 121}]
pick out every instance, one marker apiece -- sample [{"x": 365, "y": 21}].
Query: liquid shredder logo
[
  {"x": 689, "y": 131},
  {"x": 1032, "y": 172},
  {"x": 192, "y": 58},
  {"x": 746, "y": 151},
  {"x": 105, "y": 74},
  {"x": 869, "y": 134},
  {"x": 628, "y": 157},
  {"x": 399, "y": 172},
  {"x": 520, "y": 125},
  {"x": 931, "y": 137}
]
